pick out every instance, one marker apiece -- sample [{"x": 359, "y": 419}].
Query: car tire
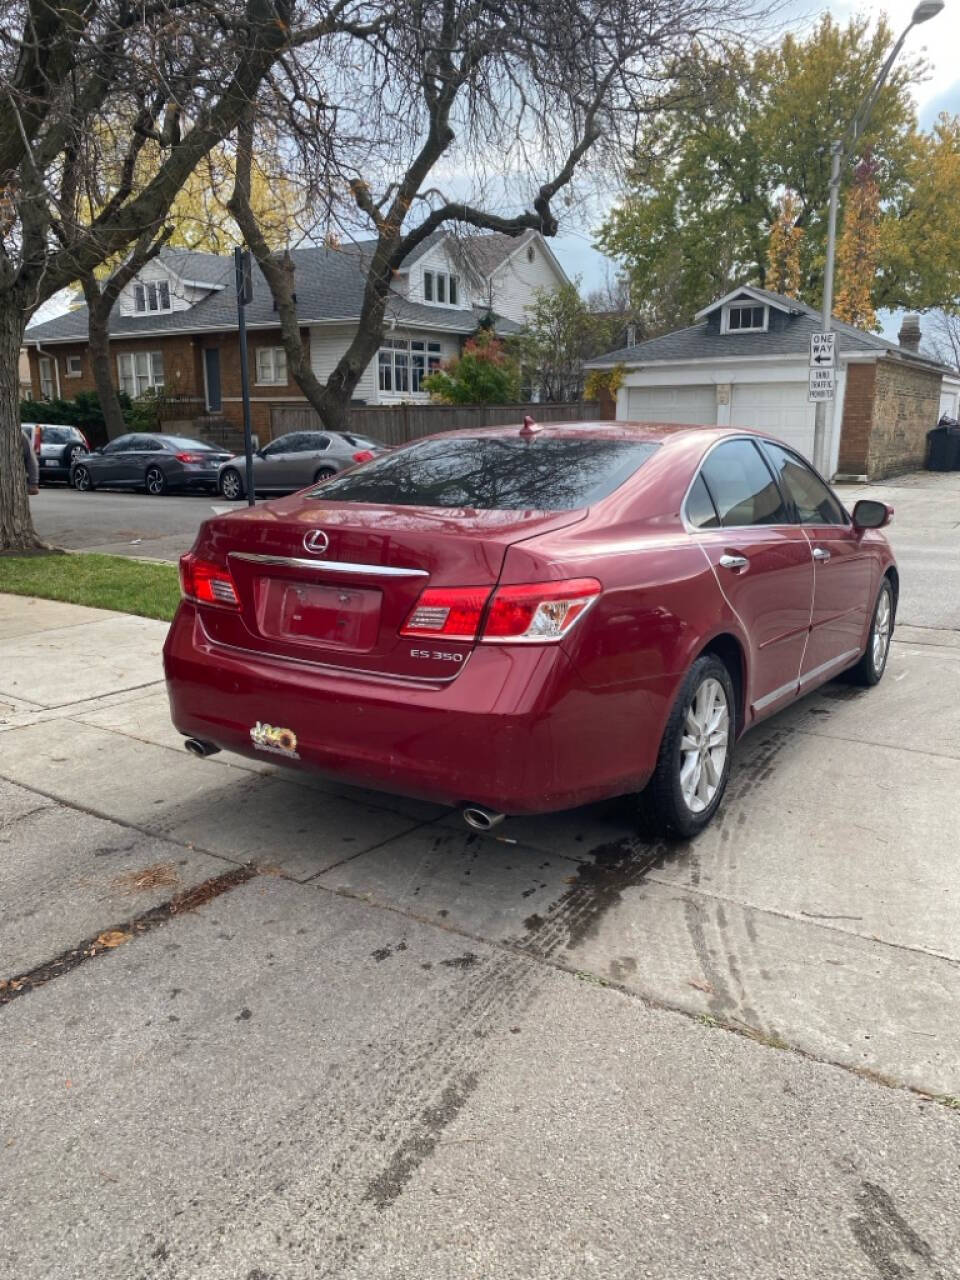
[
  {"x": 873, "y": 661},
  {"x": 72, "y": 453},
  {"x": 231, "y": 485},
  {"x": 82, "y": 480},
  {"x": 323, "y": 473},
  {"x": 691, "y": 775},
  {"x": 155, "y": 482}
]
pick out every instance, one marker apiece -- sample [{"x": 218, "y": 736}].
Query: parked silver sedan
[{"x": 297, "y": 459}]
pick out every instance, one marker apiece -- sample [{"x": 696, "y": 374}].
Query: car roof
[{"x": 659, "y": 432}]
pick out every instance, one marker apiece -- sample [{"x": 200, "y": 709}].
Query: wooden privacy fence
[{"x": 396, "y": 424}]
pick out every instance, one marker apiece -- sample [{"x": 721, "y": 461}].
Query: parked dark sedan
[
  {"x": 298, "y": 459},
  {"x": 153, "y": 463},
  {"x": 56, "y": 447}
]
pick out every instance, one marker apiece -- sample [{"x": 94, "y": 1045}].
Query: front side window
[
  {"x": 498, "y": 473},
  {"x": 743, "y": 318},
  {"x": 46, "y": 378},
  {"x": 151, "y": 296},
  {"x": 139, "y": 372},
  {"x": 742, "y": 486},
  {"x": 272, "y": 366},
  {"x": 814, "y": 502}
]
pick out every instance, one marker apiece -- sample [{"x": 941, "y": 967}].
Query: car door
[
  {"x": 844, "y": 569},
  {"x": 106, "y": 467},
  {"x": 277, "y": 463},
  {"x": 142, "y": 451},
  {"x": 762, "y": 561}
]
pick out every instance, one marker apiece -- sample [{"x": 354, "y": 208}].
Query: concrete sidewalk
[{"x": 403, "y": 1049}]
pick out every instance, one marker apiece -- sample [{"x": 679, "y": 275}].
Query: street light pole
[{"x": 822, "y": 436}]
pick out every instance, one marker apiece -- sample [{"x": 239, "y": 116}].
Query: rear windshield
[
  {"x": 184, "y": 442},
  {"x": 59, "y": 435},
  {"x": 493, "y": 473},
  {"x": 360, "y": 442}
]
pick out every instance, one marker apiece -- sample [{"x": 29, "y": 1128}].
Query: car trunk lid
[{"x": 334, "y": 583}]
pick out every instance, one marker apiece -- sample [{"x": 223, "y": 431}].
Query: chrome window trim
[{"x": 333, "y": 566}]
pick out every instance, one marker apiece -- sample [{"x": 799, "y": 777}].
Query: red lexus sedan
[{"x": 518, "y": 620}]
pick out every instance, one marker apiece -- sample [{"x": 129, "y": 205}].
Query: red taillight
[
  {"x": 364, "y": 455},
  {"x": 206, "y": 582},
  {"x": 538, "y": 611},
  {"x": 531, "y": 613},
  {"x": 189, "y": 457},
  {"x": 453, "y": 612},
  {"x": 86, "y": 442},
  {"x": 37, "y": 440}
]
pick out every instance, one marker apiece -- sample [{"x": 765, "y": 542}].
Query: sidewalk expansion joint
[
  {"x": 768, "y": 1040},
  {"x": 108, "y": 940}
]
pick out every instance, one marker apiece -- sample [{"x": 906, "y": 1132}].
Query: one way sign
[{"x": 823, "y": 350}]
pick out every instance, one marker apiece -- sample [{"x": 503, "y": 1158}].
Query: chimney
[{"x": 909, "y": 335}]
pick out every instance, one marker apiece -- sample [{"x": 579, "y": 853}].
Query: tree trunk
[
  {"x": 16, "y": 526},
  {"x": 98, "y": 322}
]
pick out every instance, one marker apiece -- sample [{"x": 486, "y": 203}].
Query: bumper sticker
[{"x": 275, "y": 739}]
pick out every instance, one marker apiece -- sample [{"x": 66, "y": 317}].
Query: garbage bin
[{"x": 943, "y": 446}]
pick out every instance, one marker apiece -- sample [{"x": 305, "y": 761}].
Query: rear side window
[
  {"x": 742, "y": 486},
  {"x": 700, "y": 511},
  {"x": 498, "y": 473},
  {"x": 814, "y": 502}
]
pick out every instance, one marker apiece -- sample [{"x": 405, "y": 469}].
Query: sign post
[
  {"x": 823, "y": 367},
  {"x": 244, "y": 278}
]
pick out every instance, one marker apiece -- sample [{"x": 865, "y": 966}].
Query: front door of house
[{"x": 211, "y": 378}]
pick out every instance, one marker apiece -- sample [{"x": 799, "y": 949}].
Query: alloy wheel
[
  {"x": 155, "y": 482},
  {"x": 81, "y": 479},
  {"x": 704, "y": 745},
  {"x": 881, "y": 630},
  {"x": 230, "y": 485},
  {"x": 76, "y": 452}
]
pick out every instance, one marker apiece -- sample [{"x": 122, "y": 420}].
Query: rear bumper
[{"x": 516, "y": 730}]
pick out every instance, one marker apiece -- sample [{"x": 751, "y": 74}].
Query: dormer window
[
  {"x": 439, "y": 286},
  {"x": 745, "y": 317},
  {"x": 154, "y": 296}
]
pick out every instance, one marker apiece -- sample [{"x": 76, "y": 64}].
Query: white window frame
[
  {"x": 441, "y": 282},
  {"x": 410, "y": 360},
  {"x": 140, "y": 371},
  {"x": 74, "y": 366},
  {"x": 48, "y": 387},
  {"x": 751, "y": 328},
  {"x": 152, "y": 297},
  {"x": 271, "y": 367}
]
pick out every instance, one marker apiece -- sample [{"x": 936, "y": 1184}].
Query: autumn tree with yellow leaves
[
  {"x": 858, "y": 250},
  {"x": 785, "y": 249}
]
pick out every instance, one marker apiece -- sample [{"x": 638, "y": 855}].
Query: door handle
[
  {"x": 821, "y": 553},
  {"x": 736, "y": 563}
]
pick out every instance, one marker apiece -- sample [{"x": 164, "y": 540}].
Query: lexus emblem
[{"x": 315, "y": 540}]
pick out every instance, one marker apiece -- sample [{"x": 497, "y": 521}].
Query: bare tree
[
  {"x": 942, "y": 339},
  {"x": 79, "y": 82},
  {"x": 469, "y": 107}
]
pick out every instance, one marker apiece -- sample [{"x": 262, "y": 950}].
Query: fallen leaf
[
  {"x": 701, "y": 986},
  {"x": 113, "y": 938}
]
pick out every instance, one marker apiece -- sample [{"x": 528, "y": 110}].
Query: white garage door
[
  {"x": 697, "y": 405},
  {"x": 778, "y": 407}
]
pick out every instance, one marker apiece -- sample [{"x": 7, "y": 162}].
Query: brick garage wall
[
  {"x": 857, "y": 419},
  {"x": 906, "y": 405}
]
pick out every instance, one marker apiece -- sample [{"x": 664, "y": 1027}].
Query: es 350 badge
[{"x": 275, "y": 739}]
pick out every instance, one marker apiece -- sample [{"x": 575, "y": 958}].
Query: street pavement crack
[{"x": 108, "y": 940}]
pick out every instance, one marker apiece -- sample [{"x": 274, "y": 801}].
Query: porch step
[{"x": 220, "y": 432}]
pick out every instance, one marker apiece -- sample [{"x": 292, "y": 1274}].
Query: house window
[
  {"x": 47, "y": 388},
  {"x": 440, "y": 286},
  {"x": 139, "y": 372},
  {"x": 404, "y": 363},
  {"x": 746, "y": 319},
  {"x": 74, "y": 366},
  {"x": 272, "y": 366},
  {"x": 154, "y": 296}
]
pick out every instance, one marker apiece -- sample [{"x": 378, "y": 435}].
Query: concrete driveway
[{"x": 261, "y": 1026}]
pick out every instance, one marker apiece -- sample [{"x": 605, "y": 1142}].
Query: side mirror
[{"x": 870, "y": 514}]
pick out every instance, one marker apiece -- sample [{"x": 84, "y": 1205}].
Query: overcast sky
[{"x": 938, "y": 39}]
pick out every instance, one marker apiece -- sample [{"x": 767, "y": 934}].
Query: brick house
[
  {"x": 174, "y": 328},
  {"x": 745, "y": 363}
]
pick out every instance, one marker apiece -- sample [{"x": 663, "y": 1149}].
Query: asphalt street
[
  {"x": 925, "y": 533},
  {"x": 258, "y": 1026}
]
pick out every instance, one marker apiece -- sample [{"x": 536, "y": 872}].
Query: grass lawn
[{"x": 103, "y": 582}]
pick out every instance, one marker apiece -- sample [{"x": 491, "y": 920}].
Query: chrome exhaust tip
[
  {"x": 480, "y": 819},
  {"x": 197, "y": 747}
]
